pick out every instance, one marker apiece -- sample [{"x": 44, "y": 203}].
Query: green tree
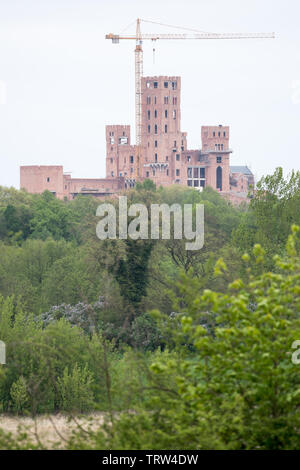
[
  {"x": 273, "y": 209},
  {"x": 19, "y": 395},
  {"x": 232, "y": 384},
  {"x": 75, "y": 390},
  {"x": 51, "y": 218}
]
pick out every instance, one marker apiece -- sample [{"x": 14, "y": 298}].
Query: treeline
[
  {"x": 51, "y": 257},
  {"x": 196, "y": 342},
  {"x": 50, "y": 254}
]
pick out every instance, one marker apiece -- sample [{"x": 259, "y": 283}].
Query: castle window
[
  {"x": 166, "y": 100},
  {"x": 123, "y": 140},
  {"x": 167, "y": 172},
  {"x": 155, "y": 157},
  {"x": 177, "y": 157},
  {"x": 167, "y": 158},
  {"x": 148, "y": 99},
  {"x": 48, "y": 180},
  {"x": 202, "y": 183},
  {"x": 196, "y": 183},
  {"x": 155, "y": 143},
  {"x": 177, "y": 172},
  {"x": 131, "y": 170},
  {"x": 214, "y": 134},
  {"x": 219, "y": 159},
  {"x": 189, "y": 172},
  {"x": 174, "y": 99},
  {"x": 219, "y": 134},
  {"x": 149, "y": 128},
  {"x": 174, "y": 85},
  {"x": 112, "y": 173},
  {"x": 221, "y": 146},
  {"x": 196, "y": 172},
  {"x": 166, "y": 113},
  {"x": 155, "y": 84},
  {"x": 188, "y": 158},
  {"x": 202, "y": 172},
  {"x": 148, "y": 84},
  {"x": 112, "y": 140},
  {"x": 190, "y": 183},
  {"x": 166, "y": 84},
  {"x": 155, "y": 129},
  {"x": 148, "y": 113},
  {"x": 166, "y": 129},
  {"x": 66, "y": 186},
  {"x": 155, "y": 113},
  {"x": 111, "y": 160},
  {"x": 147, "y": 174},
  {"x": 174, "y": 114},
  {"x": 131, "y": 158},
  {"x": 154, "y": 99},
  {"x": 224, "y": 133}
]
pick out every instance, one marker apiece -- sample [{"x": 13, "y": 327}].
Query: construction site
[{"x": 160, "y": 152}]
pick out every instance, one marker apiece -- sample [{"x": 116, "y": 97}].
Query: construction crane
[{"x": 139, "y": 38}]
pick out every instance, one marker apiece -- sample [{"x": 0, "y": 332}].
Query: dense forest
[{"x": 179, "y": 349}]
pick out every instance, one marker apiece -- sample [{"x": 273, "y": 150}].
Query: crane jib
[{"x": 154, "y": 37}]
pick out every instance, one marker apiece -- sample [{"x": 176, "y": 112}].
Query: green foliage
[
  {"x": 147, "y": 185},
  {"x": 19, "y": 395},
  {"x": 145, "y": 333},
  {"x": 132, "y": 274},
  {"x": 75, "y": 390},
  {"x": 273, "y": 209},
  {"x": 52, "y": 218},
  {"x": 238, "y": 387},
  {"x": 212, "y": 371},
  {"x": 39, "y": 358}
]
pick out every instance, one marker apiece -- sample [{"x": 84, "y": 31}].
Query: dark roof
[{"x": 241, "y": 169}]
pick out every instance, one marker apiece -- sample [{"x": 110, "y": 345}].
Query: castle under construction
[{"x": 162, "y": 156}]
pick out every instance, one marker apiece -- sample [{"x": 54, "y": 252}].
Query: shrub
[
  {"x": 75, "y": 390},
  {"x": 19, "y": 395}
]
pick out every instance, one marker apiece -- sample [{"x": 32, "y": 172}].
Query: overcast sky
[{"x": 61, "y": 82}]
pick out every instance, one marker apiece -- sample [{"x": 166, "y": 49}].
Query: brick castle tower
[{"x": 166, "y": 158}]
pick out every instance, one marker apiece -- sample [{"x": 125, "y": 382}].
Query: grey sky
[{"x": 61, "y": 82}]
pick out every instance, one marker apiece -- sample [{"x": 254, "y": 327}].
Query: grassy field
[{"x": 49, "y": 431}]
